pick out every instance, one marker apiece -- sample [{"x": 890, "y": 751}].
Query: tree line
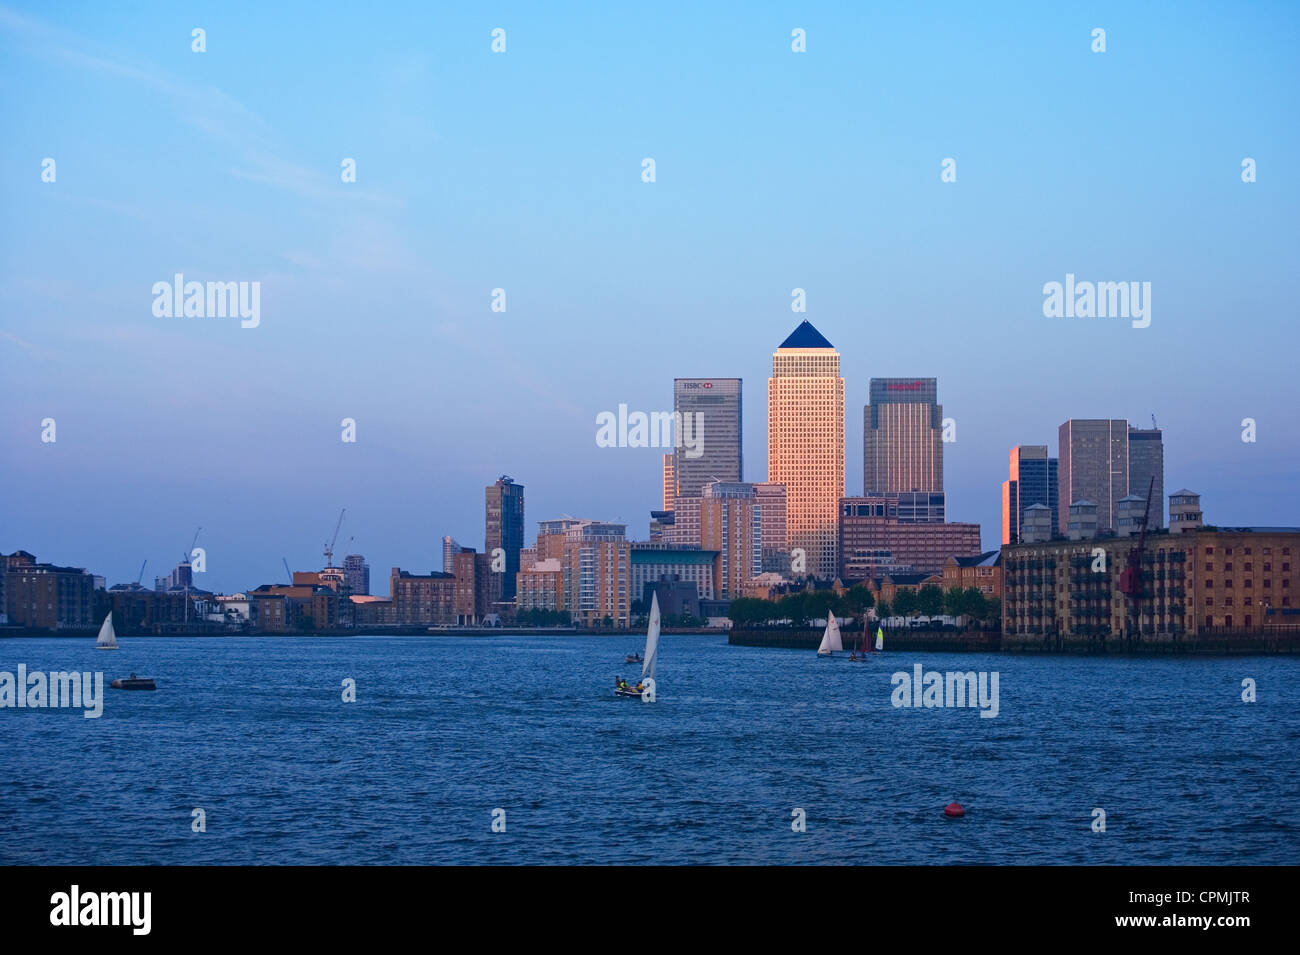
[{"x": 804, "y": 606}]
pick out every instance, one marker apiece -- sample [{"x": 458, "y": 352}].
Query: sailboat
[
  {"x": 651, "y": 657},
  {"x": 860, "y": 654},
  {"x": 107, "y": 639},
  {"x": 880, "y": 639},
  {"x": 831, "y": 638}
]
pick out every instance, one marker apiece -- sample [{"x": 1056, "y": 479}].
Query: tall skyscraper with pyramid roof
[{"x": 805, "y": 443}]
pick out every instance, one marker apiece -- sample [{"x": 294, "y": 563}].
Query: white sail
[
  {"x": 107, "y": 639},
  {"x": 880, "y": 639},
  {"x": 831, "y": 638},
  {"x": 651, "y": 639}
]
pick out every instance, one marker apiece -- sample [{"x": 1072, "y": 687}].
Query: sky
[{"x": 522, "y": 170}]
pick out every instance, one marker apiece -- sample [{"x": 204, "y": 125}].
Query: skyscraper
[
  {"x": 1093, "y": 467},
  {"x": 805, "y": 442},
  {"x": 715, "y": 407},
  {"x": 356, "y": 572},
  {"x": 1032, "y": 479},
  {"x": 902, "y": 436},
  {"x": 505, "y": 528},
  {"x": 1146, "y": 460}
]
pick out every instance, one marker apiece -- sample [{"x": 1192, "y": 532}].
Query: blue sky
[{"x": 521, "y": 170}]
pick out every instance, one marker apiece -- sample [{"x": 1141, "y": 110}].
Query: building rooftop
[
  {"x": 805, "y": 336},
  {"x": 672, "y": 556},
  {"x": 1184, "y": 493},
  {"x": 1255, "y": 530},
  {"x": 990, "y": 558}
]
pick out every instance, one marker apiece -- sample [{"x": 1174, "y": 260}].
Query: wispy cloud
[{"x": 212, "y": 111}]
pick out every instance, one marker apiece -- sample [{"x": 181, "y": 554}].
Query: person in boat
[{"x": 640, "y": 687}]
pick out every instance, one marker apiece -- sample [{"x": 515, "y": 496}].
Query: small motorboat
[
  {"x": 632, "y": 658},
  {"x": 134, "y": 682}
]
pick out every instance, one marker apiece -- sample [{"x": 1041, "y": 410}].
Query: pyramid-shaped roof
[{"x": 805, "y": 336}]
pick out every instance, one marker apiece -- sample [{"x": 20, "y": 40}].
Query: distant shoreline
[
  {"x": 923, "y": 641},
  {"x": 634, "y": 634}
]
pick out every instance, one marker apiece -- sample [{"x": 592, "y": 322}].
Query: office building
[
  {"x": 651, "y": 565},
  {"x": 1146, "y": 468},
  {"x": 875, "y": 532},
  {"x": 805, "y": 444},
  {"x": 1032, "y": 479},
  {"x": 902, "y": 435},
  {"x": 709, "y": 438},
  {"x": 1093, "y": 467}
]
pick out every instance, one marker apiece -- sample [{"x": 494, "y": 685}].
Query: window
[{"x": 1227, "y": 568}]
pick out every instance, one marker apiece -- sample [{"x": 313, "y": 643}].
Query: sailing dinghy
[
  {"x": 831, "y": 638},
  {"x": 651, "y": 655},
  {"x": 107, "y": 639}
]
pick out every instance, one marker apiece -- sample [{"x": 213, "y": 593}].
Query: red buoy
[{"x": 954, "y": 810}]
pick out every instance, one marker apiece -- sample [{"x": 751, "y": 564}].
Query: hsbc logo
[{"x": 697, "y": 384}]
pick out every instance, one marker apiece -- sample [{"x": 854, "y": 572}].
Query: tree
[
  {"x": 819, "y": 603},
  {"x": 905, "y": 602},
  {"x": 976, "y": 604},
  {"x": 747, "y": 611},
  {"x": 884, "y": 610},
  {"x": 858, "y": 600},
  {"x": 795, "y": 607},
  {"x": 929, "y": 600},
  {"x": 954, "y": 601}
]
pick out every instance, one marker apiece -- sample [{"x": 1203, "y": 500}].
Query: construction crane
[
  {"x": 1154, "y": 426},
  {"x": 140, "y": 576},
  {"x": 1130, "y": 581},
  {"x": 329, "y": 548},
  {"x": 190, "y": 551},
  {"x": 287, "y": 572}
]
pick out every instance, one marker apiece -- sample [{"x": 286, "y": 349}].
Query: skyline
[{"x": 818, "y": 171}]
